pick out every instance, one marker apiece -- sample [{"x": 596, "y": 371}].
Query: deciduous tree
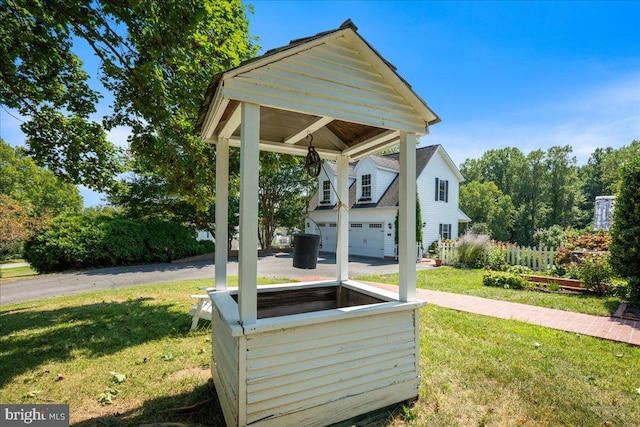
[
  {"x": 483, "y": 202},
  {"x": 33, "y": 186},
  {"x": 156, "y": 58},
  {"x": 17, "y": 223}
]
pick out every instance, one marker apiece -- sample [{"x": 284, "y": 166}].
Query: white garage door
[
  {"x": 328, "y": 233},
  {"x": 366, "y": 239}
]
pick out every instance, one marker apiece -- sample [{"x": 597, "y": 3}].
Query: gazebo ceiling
[{"x": 333, "y": 86}]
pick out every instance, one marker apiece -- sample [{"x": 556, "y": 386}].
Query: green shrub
[
  {"x": 625, "y": 245},
  {"x": 67, "y": 242},
  {"x": 553, "y": 237},
  {"x": 503, "y": 280},
  {"x": 206, "y": 246},
  {"x": 595, "y": 273},
  {"x": 122, "y": 242},
  {"x": 518, "y": 269},
  {"x": 75, "y": 242},
  {"x": 620, "y": 289},
  {"x": 495, "y": 258},
  {"x": 471, "y": 249}
]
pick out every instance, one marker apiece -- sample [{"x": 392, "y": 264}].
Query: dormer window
[
  {"x": 366, "y": 187},
  {"x": 326, "y": 192}
]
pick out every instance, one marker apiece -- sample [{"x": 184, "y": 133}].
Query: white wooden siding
[
  {"x": 305, "y": 367},
  {"x": 224, "y": 365},
  {"x": 440, "y": 212},
  {"x": 331, "y": 79},
  {"x": 383, "y": 181}
]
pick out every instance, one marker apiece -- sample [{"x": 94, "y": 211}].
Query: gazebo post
[
  {"x": 222, "y": 215},
  {"x": 342, "y": 238},
  {"x": 248, "y": 252},
  {"x": 407, "y": 217}
]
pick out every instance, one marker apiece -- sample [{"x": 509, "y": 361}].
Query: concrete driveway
[{"x": 275, "y": 266}]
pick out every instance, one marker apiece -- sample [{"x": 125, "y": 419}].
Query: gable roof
[
  {"x": 333, "y": 85},
  {"x": 391, "y": 196}
]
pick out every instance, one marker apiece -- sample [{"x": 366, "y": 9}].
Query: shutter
[
  {"x": 446, "y": 191},
  {"x": 437, "y": 188},
  {"x": 451, "y": 232},
  {"x": 440, "y": 228}
]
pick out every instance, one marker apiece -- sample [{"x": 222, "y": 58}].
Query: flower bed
[{"x": 566, "y": 285}]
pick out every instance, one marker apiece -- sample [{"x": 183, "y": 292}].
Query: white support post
[
  {"x": 248, "y": 253},
  {"x": 407, "y": 217},
  {"x": 222, "y": 215},
  {"x": 342, "y": 238}
]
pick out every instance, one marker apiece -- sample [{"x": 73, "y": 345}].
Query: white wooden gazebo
[{"x": 312, "y": 354}]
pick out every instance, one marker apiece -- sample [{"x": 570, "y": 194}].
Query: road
[{"x": 275, "y": 265}]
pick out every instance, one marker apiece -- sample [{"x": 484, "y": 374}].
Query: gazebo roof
[{"x": 333, "y": 86}]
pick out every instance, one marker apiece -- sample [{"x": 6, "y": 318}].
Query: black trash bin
[{"x": 305, "y": 250}]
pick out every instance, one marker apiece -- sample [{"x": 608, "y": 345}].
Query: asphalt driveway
[{"x": 275, "y": 265}]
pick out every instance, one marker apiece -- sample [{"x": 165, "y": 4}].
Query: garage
[
  {"x": 366, "y": 239},
  {"x": 328, "y": 234}
]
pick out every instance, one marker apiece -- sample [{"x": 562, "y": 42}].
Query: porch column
[
  {"x": 342, "y": 237},
  {"x": 407, "y": 217},
  {"x": 222, "y": 216},
  {"x": 248, "y": 253}
]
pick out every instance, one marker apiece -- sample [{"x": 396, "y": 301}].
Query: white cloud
[{"x": 605, "y": 116}]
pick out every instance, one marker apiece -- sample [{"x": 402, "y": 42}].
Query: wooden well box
[{"x": 322, "y": 353}]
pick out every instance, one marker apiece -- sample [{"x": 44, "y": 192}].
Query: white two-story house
[{"x": 373, "y": 202}]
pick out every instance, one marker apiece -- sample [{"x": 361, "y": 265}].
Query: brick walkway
[{"x": 610, "y": 328}]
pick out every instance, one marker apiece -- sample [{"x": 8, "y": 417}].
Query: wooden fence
[{"x": 536, "y": 259}]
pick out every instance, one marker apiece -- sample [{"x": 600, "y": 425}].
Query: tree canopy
[
  {"x": 156, "y": 59},
  {"x": 546, "y": 188},
  {"x": 36, "y": 189}
]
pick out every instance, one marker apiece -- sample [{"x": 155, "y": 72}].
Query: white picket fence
[{"x": 536, "y": 259}]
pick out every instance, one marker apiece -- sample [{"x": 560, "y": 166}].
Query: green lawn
[
  {"x": 469, "y": 282},
  {"x": 17, "y": 273},
  {"x": 132, "y": 346}
]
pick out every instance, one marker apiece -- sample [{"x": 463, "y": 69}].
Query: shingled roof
[{"x": 317, "y": 85}]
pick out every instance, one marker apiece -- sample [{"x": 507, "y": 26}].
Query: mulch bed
[
  {"x": 631, "y": 311},
  {"x": 628, "y": 311}
]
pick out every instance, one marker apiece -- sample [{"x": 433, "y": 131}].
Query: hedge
[
  {"x": 72, "y": 242},
  {"x": 503, "y": 280}
]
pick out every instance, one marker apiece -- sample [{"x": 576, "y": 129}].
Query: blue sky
[{"x": 524, "y": 74}]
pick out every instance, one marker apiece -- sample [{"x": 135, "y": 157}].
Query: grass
[
  {"x": 469, "y": 282},
  {"x": 66, "y": 349},
  {"x": 475, "y": 370},
  {"x": 17, "y": 273},
  {"x": 480, "y": 371}
]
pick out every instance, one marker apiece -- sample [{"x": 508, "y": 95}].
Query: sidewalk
[{"x": 610, "y": 328}]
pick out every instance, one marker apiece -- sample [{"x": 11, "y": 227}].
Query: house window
[
  {"x": 366, "y": 187},
  {"x": 445, "y": 231},
  {"x": 375, "y": 225},
  {"x": 442, "y": 190},
  {"x": 356, "y": 225},
  {"x": 326, "y": 192}
]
